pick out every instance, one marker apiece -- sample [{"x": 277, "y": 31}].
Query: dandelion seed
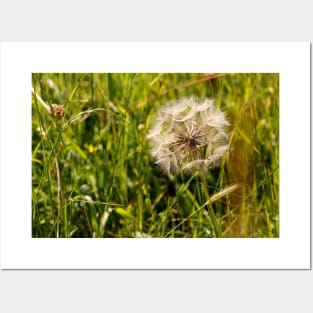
[{"x": 188, "y": 135}]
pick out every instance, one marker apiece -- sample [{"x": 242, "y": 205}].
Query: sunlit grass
[{"x": 93, "y": 176}]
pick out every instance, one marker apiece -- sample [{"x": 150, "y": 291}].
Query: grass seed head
[{"x": 58, "y": 110}]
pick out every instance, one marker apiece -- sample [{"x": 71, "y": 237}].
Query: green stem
[{"x": 214, "y": 220}]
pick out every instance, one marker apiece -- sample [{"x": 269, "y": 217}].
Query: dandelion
[{"x": 188, "y": 135}]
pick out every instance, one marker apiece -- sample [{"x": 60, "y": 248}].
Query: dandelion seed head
[{"x": 188, "y": 135}]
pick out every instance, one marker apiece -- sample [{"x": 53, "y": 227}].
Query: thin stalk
[
  {"x": 59, "y": 201},
  {"x": 211, "y": 212}
]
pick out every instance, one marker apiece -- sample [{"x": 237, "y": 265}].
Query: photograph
[{"x": 155, "y": 155}]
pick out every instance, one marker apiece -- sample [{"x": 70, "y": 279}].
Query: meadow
[{"x": 93, "y": 175}]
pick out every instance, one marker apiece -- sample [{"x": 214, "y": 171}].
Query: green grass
[{"x": 93, "y": 176}]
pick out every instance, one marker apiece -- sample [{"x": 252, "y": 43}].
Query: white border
[{"x": 290, "y": 251}]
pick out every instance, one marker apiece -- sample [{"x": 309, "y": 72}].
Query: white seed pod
[{"x": 188, "y": 135}]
